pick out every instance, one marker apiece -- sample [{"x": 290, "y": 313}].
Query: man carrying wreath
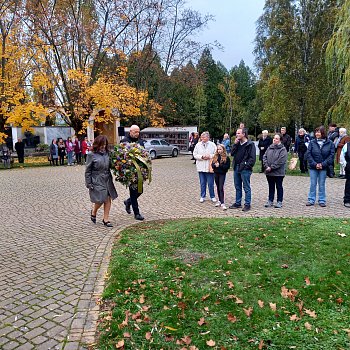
[{"x": 135, "y": 193}]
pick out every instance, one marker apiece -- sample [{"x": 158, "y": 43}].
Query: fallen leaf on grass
[
  {"x": 187, "y": 340},
  {"x": 341, "y": 234},
  {"x": 248, "y": 312},
  {"x": 311, "y": 313},
  {"x": 180, "y": 295},
  {"x": 148, "y": 335},
  {"x": 288, "y": 293},
  {"x": 201, "y": 321},
  {"x": 339, "y": 301},
  {"x": 211, "y": 343},
  {"x": 170, "y": 328},
  {"x": 230, "y": 284},
  {"x": 126, "y": 335},
  {"x": 273, "y": 306},
  {"x": 284, "y": 266},
  {"x": 142, "y": 299},
  {"x": 205, "y": 297},
  {"x": 231, "y": 318},
  {"x": 261, "y": 344},
  {"x": 320, "y": 300},
  {"x": 307, "y": 280},
  {"x": 294, "y": 318},
  {"x": 120, "y": 344},
  {"x": 308, "y": 326},
  {"x": 261, "y": 303}
]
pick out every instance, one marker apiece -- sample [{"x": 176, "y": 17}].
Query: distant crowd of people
[
  {"x": 316, "y": 155},
  {"x": 72, "y": 149}
]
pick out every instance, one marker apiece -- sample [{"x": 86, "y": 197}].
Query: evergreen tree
[{"x": 212, "y": 78}]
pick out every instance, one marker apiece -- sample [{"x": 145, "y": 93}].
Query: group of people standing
[
  {"x": 316, "y": 156},
  {"x": 75, "y": 150}
]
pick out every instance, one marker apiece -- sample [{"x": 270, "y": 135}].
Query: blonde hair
[{"x": 223, "y": 155}]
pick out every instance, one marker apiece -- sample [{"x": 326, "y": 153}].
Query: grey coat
[
  {"x": 98, "y": 177},
  {"x": 276, "y": 157}
]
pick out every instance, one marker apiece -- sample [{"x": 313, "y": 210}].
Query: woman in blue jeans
[{"x": 320, "y": 155}]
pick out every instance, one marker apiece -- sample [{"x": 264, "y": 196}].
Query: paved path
[{"x": 53, "y": 259}]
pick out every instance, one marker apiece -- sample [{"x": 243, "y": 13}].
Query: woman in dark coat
[
  {"x": 320, "y": 156},
  {"x": 54, "y": 152},
  {"x": 98, "y": 179},
  {"x": 275, "y": 161}
]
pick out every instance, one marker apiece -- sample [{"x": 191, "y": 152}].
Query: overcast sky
[{"x": 234, "y": 28}]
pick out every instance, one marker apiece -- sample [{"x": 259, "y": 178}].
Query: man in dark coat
[
  {"x": 133, "y": 137},
  {"x": 333, "y": 135},
  {"x": 19, "y": 147},
  {"x": 264, "y": 142},
  {"x": 286, "y": 139},
  {"x": 300, "y": 147},
  {"x": 244, "y": 157}
]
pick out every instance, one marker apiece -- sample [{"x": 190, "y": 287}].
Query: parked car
[{"x": 159, "y": 148}]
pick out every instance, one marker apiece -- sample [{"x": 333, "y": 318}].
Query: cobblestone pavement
[{"x": 53, "y": 259}]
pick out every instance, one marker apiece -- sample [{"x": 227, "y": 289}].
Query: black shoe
[
  {"x": 309, "y": 204},
  {"x": 347, "y": 205},
  {"x": 139, "y": 217},
  {"x": 107, "y": 223},
  {"x": 322, "y": 205},
  {"x": 246, "y": 207},
  {"x": 127, "y": 207},
  {"x": 235, "y": 206},
  {"x": 93, "y": 218}
]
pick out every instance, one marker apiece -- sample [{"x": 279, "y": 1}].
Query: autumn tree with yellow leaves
[{"x": 16, "y": 103}]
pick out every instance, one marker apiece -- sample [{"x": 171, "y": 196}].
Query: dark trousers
[
  {"x": 347, "y": 189},
  {"x": 61, "y": 158},
  {"x": 54, "y": 161},
  {"x": 78, "y": 158},
  {"x": 262, "y": 166},
  {"x": 20, "y": 158},
  {"x": 220, "y": 183},
  {"x": 134, "y": 194},
  {"x": 275, "y": 182},
  {"x": 303, "y": 162}
]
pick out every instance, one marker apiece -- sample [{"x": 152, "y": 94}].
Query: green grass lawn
[{"x": 229, "y": 284}]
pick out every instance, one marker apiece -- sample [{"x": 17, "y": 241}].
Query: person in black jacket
[
  {"x": 286, "y": 139},
  {"x": 133, "y": 137},
  {"x": 264, "y": 142},
  {"x": 301, "y": 143},
  {"x": 320, "y": 155},
  {"x": 244, "y": 158},
  {"x": 220, "y": 164},
  {"x": 19, "y": 147}
]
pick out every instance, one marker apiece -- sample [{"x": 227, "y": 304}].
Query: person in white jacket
[
  {"x": 345, "y": 163},
  {"x": 203, "y": 153}
]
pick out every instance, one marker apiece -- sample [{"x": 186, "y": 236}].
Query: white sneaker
[
  {"x": 223, "y": 206},
  {"x": 213, "y": 200},
  {"x": 217, "y": 204},
  {"x": 202, "y": 200}
]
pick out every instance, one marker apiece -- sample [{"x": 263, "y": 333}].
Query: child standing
[{"x": 220, "y": 165}]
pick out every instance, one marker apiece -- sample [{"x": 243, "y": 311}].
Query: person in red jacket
[{"x": 84, "y": 148}]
